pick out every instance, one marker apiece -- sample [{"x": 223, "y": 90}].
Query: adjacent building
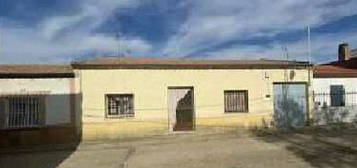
[
  {"x": 335, "y": 88},
  {"x": 38, "y": 105}
]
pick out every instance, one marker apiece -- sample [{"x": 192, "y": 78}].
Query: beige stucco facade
[{"x": 150, "y": 90}]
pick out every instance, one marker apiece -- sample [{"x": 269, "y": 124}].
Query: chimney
[{"x": 344, "y": 52}]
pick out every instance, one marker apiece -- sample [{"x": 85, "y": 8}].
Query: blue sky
[{"x": 50, "y": 31}]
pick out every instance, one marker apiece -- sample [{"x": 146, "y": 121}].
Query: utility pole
[
  {"x": 309, "y": 70},
  {"x": 308, "y": 31},
  {"x": 118, "y": 35},
  {"x": 0, "y": 39},
  {"x": 308, "y": 43},
  {"x": 285, "y": 88},
  {"x": 119, "y": 45},
  {"x": 284, "y": 48},
  {"x": 285, "y": 54}
]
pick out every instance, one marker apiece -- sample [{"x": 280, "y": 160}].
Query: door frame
[
  {"x": 307, "y": 101},
  {"x": 193, "y": 107}
]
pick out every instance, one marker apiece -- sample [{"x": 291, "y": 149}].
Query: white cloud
[
  {"x": 324, "y": 48},
  {"x": 63, "y": 38},
  {"x": 28, "y": 45},
  {"x": 209, "y": 23},
  {"x": 224, "y": 20}
]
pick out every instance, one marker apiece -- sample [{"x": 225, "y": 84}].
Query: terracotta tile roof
[
  {"x": 337, "y": 69},
  {"x": 168, "y": 63},
  {"x": 35, "y": 70}
]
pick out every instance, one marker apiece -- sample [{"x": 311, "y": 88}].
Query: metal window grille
[
  {"x": 335, "y": 99},
  {"x": 236, "y": 101},
  {"x": 120, "y": 105},
  {"x": 335, "y": 107},
  {"x": 23, "y": 111}
]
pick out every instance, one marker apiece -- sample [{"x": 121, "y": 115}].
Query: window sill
[
  {"x": 236, "y": 112},
  {"x": 119, "y": 117}
]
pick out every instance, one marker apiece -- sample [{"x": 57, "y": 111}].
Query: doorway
[
  {"x": 181, "y": 108},
  {"x": 290, "y": 104}
]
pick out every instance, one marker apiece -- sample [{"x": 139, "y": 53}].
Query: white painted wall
[
  {"x": 58, "y": 104},
  {"x": 322, "y": 85},
  {"x": 334, "y": 114}
]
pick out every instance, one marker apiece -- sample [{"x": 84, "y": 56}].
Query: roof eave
[
  {"x": 36, "y": 75},
  {"x": 335, "y": 75},
  {"x": 190, "y": 66}
]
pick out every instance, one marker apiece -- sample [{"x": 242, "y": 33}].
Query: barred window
[
  {"x": 235, "y": 101},
  {"x": 120, "y": 105},
  {"x": 23, "y": 111}
]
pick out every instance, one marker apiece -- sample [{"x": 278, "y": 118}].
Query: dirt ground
[{"x": 237, "y": 149}]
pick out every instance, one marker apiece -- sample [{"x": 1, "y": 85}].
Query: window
[
  {"x": 120, "y": 105},
  {"x": 235, "y": 101},
  {"x": 337, "y": 95},
  {"x": 23, "y": 111}
]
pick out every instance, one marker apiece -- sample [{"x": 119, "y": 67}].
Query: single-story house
[
  {"x": 123, "y": 96},
  {"x": 38, "y": 105},
  {"x": 113, "y": 97},
  {"x": 335, "y": 88}
]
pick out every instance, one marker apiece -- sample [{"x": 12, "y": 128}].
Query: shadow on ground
[
  {"x": 46, "y": 157},
  {"x": 310, "y": 145}
]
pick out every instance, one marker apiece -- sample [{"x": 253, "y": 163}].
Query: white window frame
[{"x": 119, "y": 115}]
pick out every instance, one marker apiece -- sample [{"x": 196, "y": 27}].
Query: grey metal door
[{"x": 289, "y": 105}]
